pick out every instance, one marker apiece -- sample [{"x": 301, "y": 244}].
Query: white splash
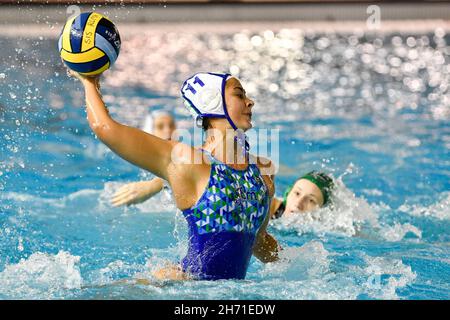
[
  {"x": 398, "y": 231},
  {"x": 440, "y": 210},
  {"x": 300, "y": 263},
  {"x": 345, "y": 217},
  {"x": 41, "y": 276},
  {"x": 115, "y": 271},
  {"x": 384, "y": 276}
]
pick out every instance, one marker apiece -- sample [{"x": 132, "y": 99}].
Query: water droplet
[{"x": 20, "y": 246}]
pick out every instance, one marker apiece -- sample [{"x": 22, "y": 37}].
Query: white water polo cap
[{"x": 204, "y": 95}]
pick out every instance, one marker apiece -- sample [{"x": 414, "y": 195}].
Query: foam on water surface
[{"x": 41, "y": 276}]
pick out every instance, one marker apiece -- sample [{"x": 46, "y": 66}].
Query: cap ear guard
[{"x": 211, "y": 98}]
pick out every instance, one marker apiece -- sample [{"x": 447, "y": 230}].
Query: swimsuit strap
[{"x": 217, "y": 161}]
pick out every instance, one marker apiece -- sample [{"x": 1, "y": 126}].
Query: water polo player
[
  {"x": 161, "y": 124},
  {"x": 226, "y": 204},
  {"x": 308, "y": 193}
]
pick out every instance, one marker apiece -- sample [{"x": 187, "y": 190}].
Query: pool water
[{"x": 372, "y": 109}]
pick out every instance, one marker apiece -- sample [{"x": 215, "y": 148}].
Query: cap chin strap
[
  {"x": 240, "y": 136},
  {"x": 242, "y": 142}
]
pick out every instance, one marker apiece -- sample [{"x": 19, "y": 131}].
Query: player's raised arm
[{"x": 136, "y": 146}]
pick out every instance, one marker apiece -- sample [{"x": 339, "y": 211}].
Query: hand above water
[
  {"x": 136, "y": 192},
  {"x": 84, "y": 79}
]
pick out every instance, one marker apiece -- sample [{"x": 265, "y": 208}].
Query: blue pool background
[{"x": 372, "y": 109}]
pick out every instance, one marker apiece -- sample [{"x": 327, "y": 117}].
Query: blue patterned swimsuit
[{"x": 224, "y": 222}]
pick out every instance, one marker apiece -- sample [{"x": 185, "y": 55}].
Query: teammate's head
[
  {"x": 309, "y": 192},
  {"x": 161, "y": 124}
]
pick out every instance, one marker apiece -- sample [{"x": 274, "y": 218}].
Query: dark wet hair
[{"x": 206, "y": 124}]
